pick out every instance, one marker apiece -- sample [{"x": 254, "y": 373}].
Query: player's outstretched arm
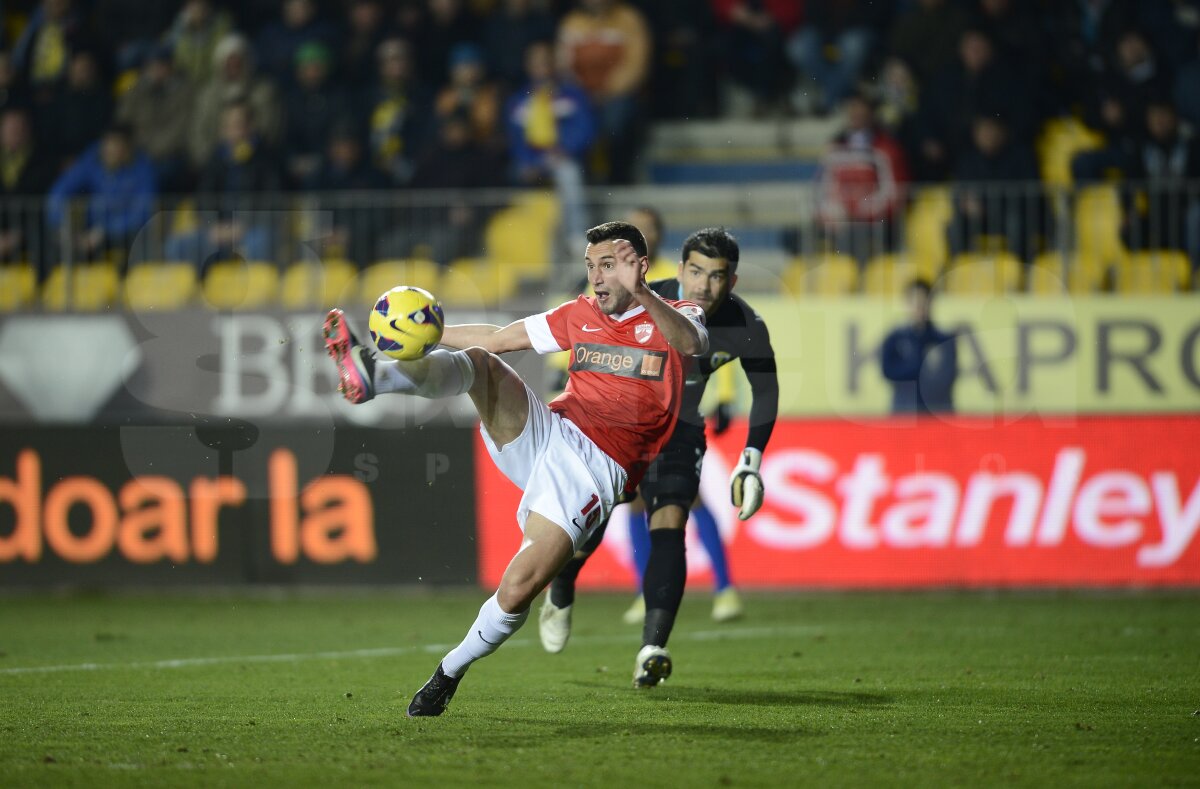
[
  {"x": 684, "y": 334},
  {"x": 496, "y": 339}
]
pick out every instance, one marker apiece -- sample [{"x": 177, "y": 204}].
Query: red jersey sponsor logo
[{"x": 617, "y": 360}]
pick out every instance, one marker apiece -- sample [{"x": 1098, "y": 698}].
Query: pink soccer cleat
[{"x": 355, "y": 363}]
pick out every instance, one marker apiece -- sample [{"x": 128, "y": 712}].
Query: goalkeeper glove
[
  {"x": 721, "y": 419},
  {"x": 745, "y": 484}
]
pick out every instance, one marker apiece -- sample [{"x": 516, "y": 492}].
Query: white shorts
[{"x": 565, "y": 476}]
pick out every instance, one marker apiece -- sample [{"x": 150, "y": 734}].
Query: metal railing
[{"x": 775, "y": 224}]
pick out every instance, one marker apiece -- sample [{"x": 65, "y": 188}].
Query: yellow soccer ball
[{"x": 406, "y": 323}]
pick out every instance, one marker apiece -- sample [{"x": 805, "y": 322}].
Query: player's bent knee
[
  {"x": 516, "y": 594},
  {"x": 481, "y": 358}
]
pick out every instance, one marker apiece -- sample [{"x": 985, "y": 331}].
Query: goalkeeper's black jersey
[{"x": 735, "y": 331}]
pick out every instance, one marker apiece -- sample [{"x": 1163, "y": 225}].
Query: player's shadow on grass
[{"x": 759, "y": 698}]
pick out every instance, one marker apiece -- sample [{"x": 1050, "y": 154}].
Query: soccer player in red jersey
[{"x": 574, "y": 458}]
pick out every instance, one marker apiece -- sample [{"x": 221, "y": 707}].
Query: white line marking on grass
[{"x": 383, "y": 652}]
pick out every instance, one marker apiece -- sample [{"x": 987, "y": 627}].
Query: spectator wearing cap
[
  {"x": 313, "y": 106},
  {"x": 550, "y": 130},
  {"x": 234, "y": 79},
  {"x": 444, "y": 25},
  {"x": 471, "y": 95},
  {"x": 397, "y": 109},
  {"x": 120, "y": 185},
  {"x": 605, "y": 46},
  {"x": 194, "y": 36},
  {"x": 159, "y": 110},
  {"x": 299, "y": 23}
]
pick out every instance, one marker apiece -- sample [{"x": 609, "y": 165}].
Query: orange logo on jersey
[{"x": 652, "y": 366}]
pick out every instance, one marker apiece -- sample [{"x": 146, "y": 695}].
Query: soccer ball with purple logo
[{"x": 406, "y": 323}]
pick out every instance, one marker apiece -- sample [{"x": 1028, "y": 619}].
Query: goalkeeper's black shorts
[{"x": 674, "y": 476}]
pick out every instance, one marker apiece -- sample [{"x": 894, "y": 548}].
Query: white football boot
[
  {"x": 636, "y": 613},
  {"x": 554, "y": 626},
  {"x": 653, "y": 665},
  {"x": 727, "y": 605}
]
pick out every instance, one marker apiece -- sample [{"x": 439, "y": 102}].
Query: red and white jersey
[{"x": 625, "y": 381}]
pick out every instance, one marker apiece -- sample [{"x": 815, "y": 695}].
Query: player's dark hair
[
  {"x": 713, "y": 242},
  {"x": 921, "y": 284},
  {"x": 610, "y": 231}
]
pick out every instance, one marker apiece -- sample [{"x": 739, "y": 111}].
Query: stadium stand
[{"x": 723, "y": 149}]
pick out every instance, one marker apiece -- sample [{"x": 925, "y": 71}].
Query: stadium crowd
[{"x": 123, "y": 100}]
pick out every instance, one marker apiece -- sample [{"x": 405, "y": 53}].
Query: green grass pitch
[{"x": 821, "y": 689}]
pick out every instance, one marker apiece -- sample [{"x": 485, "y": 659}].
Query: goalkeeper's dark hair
[
  {"x": 713, "y": 242},
  {"x": 653, "y": 213},
  {"x": 611, "y": 231}
]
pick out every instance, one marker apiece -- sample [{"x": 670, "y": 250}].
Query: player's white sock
[
  {"x": 491, "y": 629},
  {"x": 440, "y": 374}
]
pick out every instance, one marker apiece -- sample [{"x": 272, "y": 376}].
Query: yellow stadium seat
[
  {"x": 86, "y": 286},
  {"x": 238, "y": 285},
  {"x": 18, "y": 286},
  {"x": 888, "y": 275},
  {"x": 978, "y": 274},
  {"x": 925, "y": 226},
  {"x": 822, "y": 275},
  {"x": 160, "y": 286},
  {"x": 1053, "y": 275},
  {"x": 477, "y": 282},
  {"x": 381, "y": 277},
  {"x": 1098, "y": 223},
  {"x": 1155, "y": 271},
  {"x": 522, "y": 235},
  {"x": 541, "y": 205},
  {"x": 1059, "y": 142},
  {"x": 316, "y": 284}
]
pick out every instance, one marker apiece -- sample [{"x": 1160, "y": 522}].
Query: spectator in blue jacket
[
  {"x": 550, "y": 129},
  {"x": 121, "y": 185},
  {"x": 920, "y": 359}
]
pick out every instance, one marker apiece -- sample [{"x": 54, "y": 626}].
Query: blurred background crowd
[{"x": 123, "y": 102}]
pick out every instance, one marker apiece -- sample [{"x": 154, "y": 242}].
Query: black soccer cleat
[{"x": 434, "y": 697}]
